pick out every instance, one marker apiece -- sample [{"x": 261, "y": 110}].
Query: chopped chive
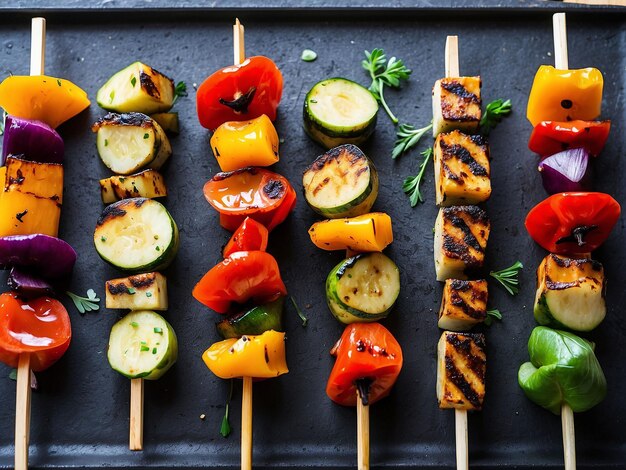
[
  {"x": 304, "y": 319},
  {"x": 112, "y": 96},
  {"x": 154, "y": 350},
  {"x": 58, "y": 82},
  {"x": 148, "y": 294},
  {"x": 131, "y": 290},
  {"x": 106, "y": 142},
  {"x": 158, "y": 330},
  {"x": 157, "y": 248},
  {"x": 144, "y": 348},
  {"x": 146, "y": 135},
  {"x": 143, "y": 342},
  {"x": 134, "y": 324},
  {"x": 133, "y": 81},
  {"x": 308, "y": 55},
  {"x": 103, "y": 239},
  {"x": 156, "y": 236}
]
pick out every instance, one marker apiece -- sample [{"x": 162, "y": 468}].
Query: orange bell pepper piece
[
  {"x": 43, "y": 98},
  {"x": 565, "y": 95},
  {"x": 367, "y": 232}
]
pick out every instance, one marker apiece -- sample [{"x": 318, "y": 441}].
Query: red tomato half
[
  {"x": 40, "y": 327},
  {"x": 550, "y": 137},
  {"x": 240, "y": 92},
  {"x": 243, "y": 276},
  {"x": 250, "y": 236},
  {"x": 573, "y": 223},
  {"x": 262, "y": 195},
  {"x": 364, "y": 351}
]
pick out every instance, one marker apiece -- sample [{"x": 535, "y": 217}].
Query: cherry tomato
[
  {"x": 240, "y": 92},
  {"x": 243, "y": 276},
  {"x": 250, "y": 236},
  {"x": 573, "y": 223},
  {"x": 40, "y": 327},
  {"x": 365, "y": 351},
  {"x": 262, "y": 195},
  {"x": 550, "y": 137}
]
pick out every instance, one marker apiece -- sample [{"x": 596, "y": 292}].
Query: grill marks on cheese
[
  {"x": 461, "y": 373},
  {"x": 460, "y": 99},
  {"x": 466, "y": 298}
]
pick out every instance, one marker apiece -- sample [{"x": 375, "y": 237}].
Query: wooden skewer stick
[
  {"x": 452, "y": 69},
  {"x": 567, "y": 415},
  {"x": 238, "y": 43},
  {"x": 23, "y": 389},
  {"x": 246, "y": 424},
  {"x": 136, "y": 414},
  {"x": 363, "y": 433}
]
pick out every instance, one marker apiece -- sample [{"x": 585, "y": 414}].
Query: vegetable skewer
[
  {"x": 23, "y": 390},
  {"x": 567, "y": 415}
]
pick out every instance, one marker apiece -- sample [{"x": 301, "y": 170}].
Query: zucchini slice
[
  {"x": 168, "y": 121},
  {"x": 139, "y": 88},
  {"x": 339, "y": 111},
  {"x": 142, "y": 345},
  {"x": 343, "y": 182},
  {"x": 255, "y": 321},
  {"x": 148, "y": 183},
  {"x": 136, "y": 235},
  {"x": 129, "y": 142},
  {"x": 363, "y": 288}
]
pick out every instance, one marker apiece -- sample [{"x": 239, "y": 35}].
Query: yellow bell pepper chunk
[
  {"x": 25, "y": 214},
  {"x": 238, "y": 144},
  {"x": 44, "y": 180},
  {"x": 48, "y": 99},
  {"x": 565, "y": 95},
  {"x": 367, "y": 232},
  {"x": 261, "y": 356}
]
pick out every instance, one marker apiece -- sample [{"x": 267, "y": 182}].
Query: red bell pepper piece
[
  {"x": 573, "y": 223},
  {"x": 368, "y": 359},
  {"x": 240, "y": 92},
  {"x": 243, "y": 276},
  {"x": 250, "y": 236},
  {"x": 40, "y": 327},
  {"x": 550, "y": 137}
]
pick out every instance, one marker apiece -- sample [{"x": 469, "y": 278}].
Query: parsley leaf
[
  {"x": 179, "y": 91},
  {"x": 384, "y": 73},
  {"x": 85, "y": 304},
  {"x": 225, "y": 426},
  {"x": 508, "y": 277},
  {"x": 491, "y": 314},
  {"x": 494, "y": 112},
  {"x": 411, "y": 185},
  {"x": 408, "y": 137}
]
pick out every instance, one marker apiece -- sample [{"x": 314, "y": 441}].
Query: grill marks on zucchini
[{"x": 341, "y": 183}]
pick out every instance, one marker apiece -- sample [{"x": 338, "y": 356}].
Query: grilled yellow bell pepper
[
  {"x": 39, "y": 179},
  {"x": 48, "y": 99},
  {"x": 238, "y": 144},
  {"x": 367, "y": 232},
  {"x": 261, "y": 356},
  {"x": 565, "y": 95}
]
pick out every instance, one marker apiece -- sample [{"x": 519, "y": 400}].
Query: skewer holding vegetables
[
  {"x": 238, "y": 103},
  {"x": 35, "y": 328},
  {"x": 563, "y": 374}
]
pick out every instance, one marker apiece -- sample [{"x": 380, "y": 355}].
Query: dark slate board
[{"x": 80, "y": 413}]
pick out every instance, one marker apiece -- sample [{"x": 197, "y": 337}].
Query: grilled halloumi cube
[
  {"x": 461, "y": 234},
  {"x": 456, "y": 104},
  {"x": 570, "y": 293},
  {"x": 139, "y": 292},
  {"x": 148, "y": 183},
  {"x": 463, "y": 304},
  {"x": 461, "y": 169},
  {"x": 461, "y": 367}
]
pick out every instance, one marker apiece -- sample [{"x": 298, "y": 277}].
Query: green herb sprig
[
  {"x": 384, "y": 73},
  {"x": 225, "y": 426},
  {"x": 494, "y": 112},
  {"x": 508, "y": 277},
  {"x": 302, "y": 316},
  {"x": 407, "y": 137},
  {"x": 411, "y": 185},
  {"x": 85, "y": 304},
  {"x": 179, "y": 91},
  {"x": 491, "y": 315}
]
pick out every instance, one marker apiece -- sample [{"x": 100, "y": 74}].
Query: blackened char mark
[
  {"x": 460, "y": 152},
  {"x": 458, "y": 379},
  {"x": 148, "y": 85},
  {"x": 459, "y": 90},
  {"x": 468, "y": 236}
]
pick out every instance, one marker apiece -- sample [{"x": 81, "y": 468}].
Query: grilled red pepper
[
  {"x": 250, "y": 236},
  {"x": 240, "y": 92},
  {"x": 573, "y": 223},
  {"x": 262, "y": 195},
  {"x": 550, "y": 137},
  {"x": 369, "y": 359},
  {"x": 243, "y": 276}
]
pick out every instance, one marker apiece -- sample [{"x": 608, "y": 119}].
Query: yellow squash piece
[
  {"x": 367, "y": 232},
  {"x": 261, "y": 356},
  {"x": 48, "y": 99},
  {"x": 565, "y": 95},
  {"x": 238, "y": 144}
]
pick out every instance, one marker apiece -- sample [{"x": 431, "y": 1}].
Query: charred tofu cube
[
  {"x": 570, "y": 293},
  {"x": 461, "y": 367},
  {"x": 462, "y": 173},
  {"x": 456, "y": 105},
  {"x": 461, "y": 234},
  {"x": 463, "y": 305}
]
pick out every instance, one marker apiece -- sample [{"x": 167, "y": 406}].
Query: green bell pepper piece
[
  {"x": 562, "y": 369},
  {"x": 255, "y": 321}
]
